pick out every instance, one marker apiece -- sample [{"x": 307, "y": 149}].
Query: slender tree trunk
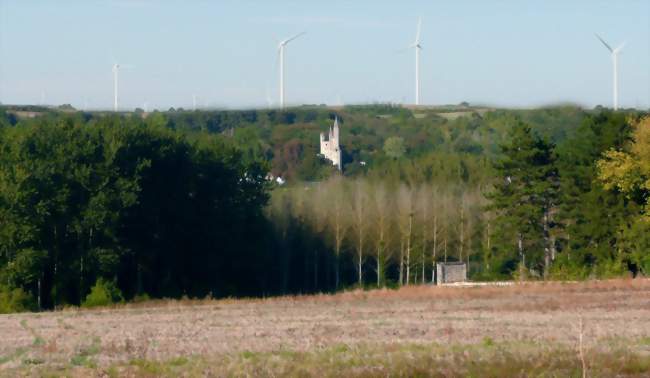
[
  {"x": 408, "y": 251},
  {"x": 338, "y": 241},
  {"x": 424, "y": 248},
  {"x": 423, "y": 268},
  {"x": 379, "y": 270},
  {"x": 360, "y": 257},
  {"x": 328, "y": 272},
  {"x": 435, "y": 246},
  {"x": 81, "y": 278},
  {"x": 380, "y": 256},
  {"x": 462, "y": 232},
  {"x": 401, "y": 262},
  {"x": 425, "y": 218},
  {"x": 553, "y": 250},
  {"x": 336, "y": 267},
  {"x": 547, "y": 244},
  {"x": 489, "y": 247},
  {"x": 360, "y": 270},
  {"x": 520, "y": 246},
  {"x": 445, "y": 246},
  {"x": 55, "y": 281},
  {"x": 39, "y": 294}
]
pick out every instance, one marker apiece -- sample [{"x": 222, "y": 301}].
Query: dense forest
[{"x": 182, "y": 203}]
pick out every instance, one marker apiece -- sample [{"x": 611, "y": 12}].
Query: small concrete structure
[{"x": 451, "y": 272}]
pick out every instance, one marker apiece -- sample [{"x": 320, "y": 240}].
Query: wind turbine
[
  {"x": 416, "y": 45},
  {"x": 614, "y": 53},
  {"x": 281, "y": 47},
  {"x": 116, "y": 69}
]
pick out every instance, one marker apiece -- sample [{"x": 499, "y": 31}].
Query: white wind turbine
[
  {"x": 416, "y": 45},
  {"x": 281, "y": 47},
  {"x": 614, "y": 53},
  {"x": 116, "y": 69}
]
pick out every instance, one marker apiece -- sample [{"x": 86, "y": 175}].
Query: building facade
[{"x": 330, "y": 147}]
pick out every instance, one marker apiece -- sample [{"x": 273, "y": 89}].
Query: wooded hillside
[{"x": 176, "y": 203}]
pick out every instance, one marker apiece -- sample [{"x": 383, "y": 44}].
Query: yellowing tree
[{"x": 629, "y": 170}]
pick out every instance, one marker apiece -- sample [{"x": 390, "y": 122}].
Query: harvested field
[{"x": 417, "y": 327}]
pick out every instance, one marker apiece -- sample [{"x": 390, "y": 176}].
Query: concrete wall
[{"x": 451, "y": 272}]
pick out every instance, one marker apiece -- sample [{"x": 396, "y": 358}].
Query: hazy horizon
[{"x": 504, "y": 54}]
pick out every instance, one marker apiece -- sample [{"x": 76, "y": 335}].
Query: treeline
[
  {"x": 435, "y": 147},
  {"x": 138, "y": 205},
  {"x": 122, "y": 206}
]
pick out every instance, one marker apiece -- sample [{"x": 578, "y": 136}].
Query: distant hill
[{"x": 450, "y": 143}]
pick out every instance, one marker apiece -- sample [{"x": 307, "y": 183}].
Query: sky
[{"x": 498, "y": 53}]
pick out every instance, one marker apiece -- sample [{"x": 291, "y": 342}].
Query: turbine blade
[
  {"x": 417, "y": 36},
  {"x": 292, "y": 38},
  {"x": 604, "y": 43}
]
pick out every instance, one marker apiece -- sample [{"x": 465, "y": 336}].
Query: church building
[{"x": 330, "y": 147}]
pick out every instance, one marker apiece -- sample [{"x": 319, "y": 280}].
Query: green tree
[
  {"x": 628, "y": 171},
  {"x": 394, "y": 147},
  {"x": 524, "y": 195},
  {"x": 590, "y": 215}
]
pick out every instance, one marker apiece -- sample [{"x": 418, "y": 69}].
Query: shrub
[
  {"x": 104, "y": 293},
  {"x": 141, "y": 298},
  {"x": 612, "y": 268},
  {"x": 16, "y": 300},
  {"x": 567, "y": 268}
]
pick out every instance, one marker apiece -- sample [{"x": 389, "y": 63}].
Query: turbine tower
[
  {"x": 614, "y": 53},
  {"x": 116, "y": 68},
  {"x": 281, "y": 47},
  {"x": 416, "y": 45}
]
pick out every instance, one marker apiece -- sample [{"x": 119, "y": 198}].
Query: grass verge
[{"x": 487, "y": 359}]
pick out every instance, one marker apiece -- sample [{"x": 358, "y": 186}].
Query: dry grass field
[{"x": 520, "y": 330}]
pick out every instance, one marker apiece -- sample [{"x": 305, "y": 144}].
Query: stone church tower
[{"x": 330, "y": 147}]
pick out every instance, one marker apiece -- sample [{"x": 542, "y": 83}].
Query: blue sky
[{"x": 501, "y": 53}]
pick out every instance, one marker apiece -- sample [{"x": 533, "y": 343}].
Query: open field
[{"x": 448, "y": 331}]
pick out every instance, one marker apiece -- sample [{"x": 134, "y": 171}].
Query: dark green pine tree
[
  {"x": 591, "y": 215},
  {"x": 524, "y": 199}
]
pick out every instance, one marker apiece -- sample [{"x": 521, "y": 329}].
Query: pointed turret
[{"x": 336, "y": 129}]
